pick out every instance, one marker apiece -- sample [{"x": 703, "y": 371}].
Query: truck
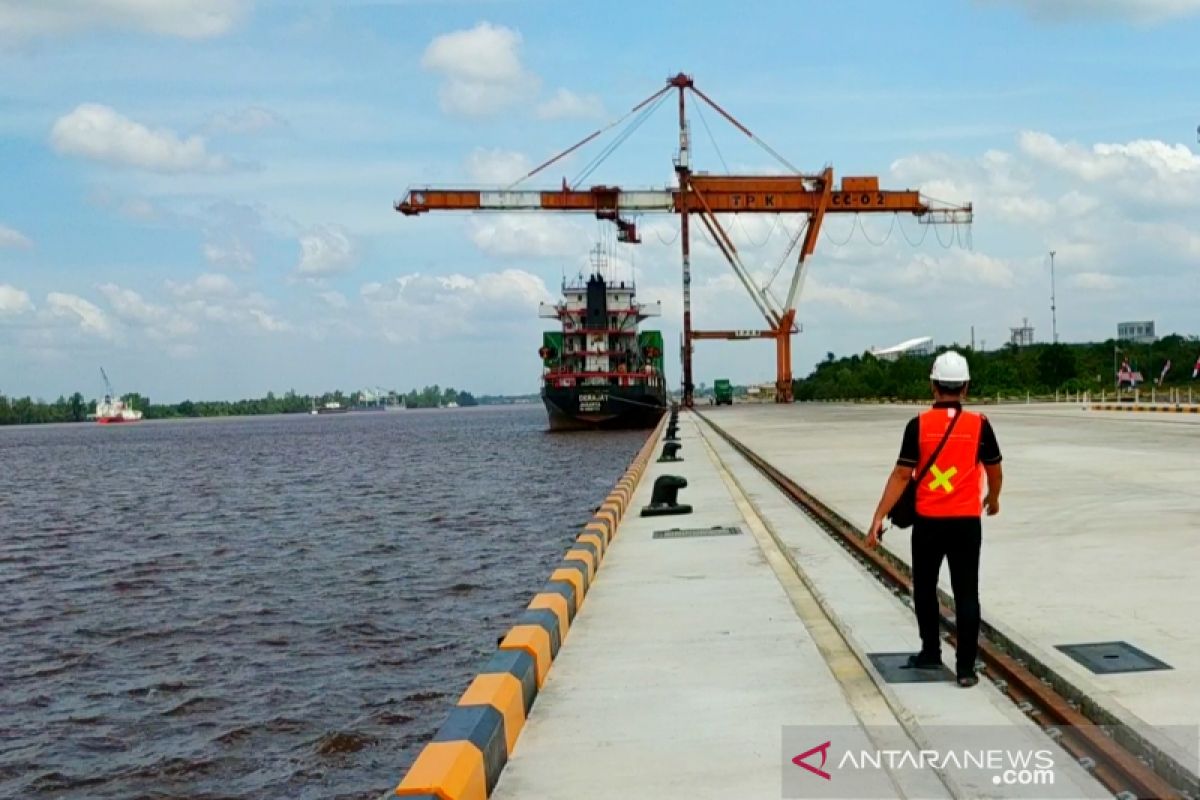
[{"x": 722, "y": 392}]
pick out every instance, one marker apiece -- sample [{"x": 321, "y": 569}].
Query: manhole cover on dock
[
  {"x": 692, "y": 533},
  {"x": 893, "y": 667},
  {"x": 1106, "y": 658}
]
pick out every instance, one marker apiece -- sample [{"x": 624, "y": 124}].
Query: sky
[{"x": 197, "y": 194}]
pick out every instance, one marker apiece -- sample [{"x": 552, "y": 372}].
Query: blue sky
[{"x": 197, "y": 194}]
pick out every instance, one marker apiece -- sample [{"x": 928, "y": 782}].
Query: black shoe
[
  {"x": 924, "y": 661},
  {"x": 967, "y": 681}
]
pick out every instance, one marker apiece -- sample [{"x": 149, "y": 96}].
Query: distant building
[
  {"x": 1022, "y": 336},
  {"x": 1138, "y": 332},
  {"x": 913, "y": 347}
]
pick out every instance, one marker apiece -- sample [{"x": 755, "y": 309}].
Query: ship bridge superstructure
[{"x": 599, "y": 343}]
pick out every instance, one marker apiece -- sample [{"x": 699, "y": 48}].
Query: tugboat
[{"x": 598, "y": 370}]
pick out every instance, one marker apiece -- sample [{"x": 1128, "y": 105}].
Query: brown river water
[{"x": 267, "y": 607}]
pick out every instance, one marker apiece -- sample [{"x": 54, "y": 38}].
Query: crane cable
[
  {"x": 918, "y": 242},
  {"x": 618, "y": 141},
  {"x": 656, "y": 96},
  {"x": 663, "y": 241},
  {"x": 766, "y": 147},
  {"x": 870, "y": 241},
  {"x": 829, "y": 238},
  {"x": 795, "y": 239},
  {"x": 711, "y": 138}
]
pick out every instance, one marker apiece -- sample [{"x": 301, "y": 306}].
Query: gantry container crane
[{"x": 706, "y": 196}]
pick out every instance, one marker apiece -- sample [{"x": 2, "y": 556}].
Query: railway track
[{"x": 1120, "y": 758}]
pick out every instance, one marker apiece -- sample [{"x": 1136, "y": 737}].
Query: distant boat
[
  {"x": 112, "y": 410},
  {"x": 332, "y": 407}
]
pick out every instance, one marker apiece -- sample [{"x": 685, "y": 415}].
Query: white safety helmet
[{"x": 950, "y": 368}]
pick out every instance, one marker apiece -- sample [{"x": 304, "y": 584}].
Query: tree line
[
  {"x": 1038, "y": 369},
  {"x": 76, "y": 408}
]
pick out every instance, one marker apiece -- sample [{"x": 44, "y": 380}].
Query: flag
[
  {"x": 1196, "y": 369},
  {"x": 1163, "y": 375},
  {"x": 1128, "y": 374}
]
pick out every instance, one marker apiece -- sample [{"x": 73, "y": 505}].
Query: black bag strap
[{"x": 933, "y": 458}]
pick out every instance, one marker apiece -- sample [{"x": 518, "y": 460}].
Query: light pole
[{"x": 1053, "y": 312}]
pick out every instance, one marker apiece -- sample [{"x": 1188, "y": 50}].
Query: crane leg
[{"x": 783, "y": 358}]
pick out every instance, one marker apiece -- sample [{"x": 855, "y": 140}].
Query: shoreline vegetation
[
  {"x": 76, "y": 408},
  {"x": 1011, "y": 371}
]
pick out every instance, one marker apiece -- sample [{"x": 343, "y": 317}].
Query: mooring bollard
[
  {"x": 669, "y": 451},
  {"x": 662, "y": 499}
]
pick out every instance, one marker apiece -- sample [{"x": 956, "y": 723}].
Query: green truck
[{"x": 722, "y": 392}]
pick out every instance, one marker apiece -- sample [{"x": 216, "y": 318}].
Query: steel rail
[{"x": 1120, "y": 759}]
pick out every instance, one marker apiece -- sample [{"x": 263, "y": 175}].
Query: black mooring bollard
[
  {"x": 669, "y": 451},
  {"x": 662, "y": 499}
]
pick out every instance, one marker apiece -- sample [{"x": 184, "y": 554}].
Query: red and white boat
[{"x": 112, "y": 409}]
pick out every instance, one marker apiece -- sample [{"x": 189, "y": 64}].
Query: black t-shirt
[{"x": 910, "y": 447}]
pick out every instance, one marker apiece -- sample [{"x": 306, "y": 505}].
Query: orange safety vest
[{"x": 953, "y": 486}]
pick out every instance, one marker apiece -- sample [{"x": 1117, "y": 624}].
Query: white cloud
[
  {"x": 267, "y": 322},
  {"x": 140, "y": 209},
  {"x": 206, "y": 285},
  {"x": 859, "y": 302},
  {"x": 326, "y": 250},
  {"x": 506, "y": 235},
  {"x": 10, "y": 237},
  {"x": 189, "y": 19},
  {"x": 254, "y": 119},
  {"x": 233, "y": 254},
  {"x": 419, "y": 307},
  {"x": 131, "y": 306},
  {"x": 13, "y": 301},
  {"x": 1141, "y": 11},
  {"x": 334, "y": 299},
  {"x": 1095, "y": 280},
  {"x": 565, "y": 104},
  {"x": 1108, "y": 161},
  {"x": 480, "y": 68},
  {"x": 215, "y": 298},
  {"x": 158, "y": 322},
  {"x": 88, "y": 316},
  {"x": 956, "y": 266},
  {"x": 496, "y": 166},
  {"x": 100, "y": 133}
]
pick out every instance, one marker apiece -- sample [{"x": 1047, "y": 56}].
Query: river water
[{"x": 267, "y": 607}]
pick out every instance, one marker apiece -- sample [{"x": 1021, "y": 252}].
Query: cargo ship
[
  {"x": 113, "y": 410},
  {"x": 599, "y": 371}
]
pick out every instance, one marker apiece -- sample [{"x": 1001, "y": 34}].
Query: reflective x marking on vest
[{"x": 942, "y": 479}]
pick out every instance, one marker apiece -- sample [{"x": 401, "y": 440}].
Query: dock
[{"x": 748, "y": 648}]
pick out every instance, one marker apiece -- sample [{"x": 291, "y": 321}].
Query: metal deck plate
[
  {"x": 692, "y": 533},
  {"x": 892, "y": 667},
  {"x": 1106, "y": 658}
]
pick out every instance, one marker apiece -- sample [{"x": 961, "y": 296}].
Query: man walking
[{"x": 949, "y": 502}]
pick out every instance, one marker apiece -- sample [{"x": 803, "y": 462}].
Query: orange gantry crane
[{"x": 706, "y": 196}]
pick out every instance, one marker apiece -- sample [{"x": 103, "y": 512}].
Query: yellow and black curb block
[
  {"x": 1175, "y": 409},
  {"x": 466, "y": 755}
]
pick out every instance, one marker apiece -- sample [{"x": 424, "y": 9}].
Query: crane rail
[{"x": 1119, "y": 758}]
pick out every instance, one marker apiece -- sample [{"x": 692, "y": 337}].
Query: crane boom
[
  {"x": 108, "y": 390},
  {"x": 724, "y": 194},
  {"x": 812, "y": 195}
]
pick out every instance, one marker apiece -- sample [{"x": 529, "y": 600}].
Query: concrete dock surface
[
  {"x": 1098, "y": 539},
  {"x": 718, "y": 666}
]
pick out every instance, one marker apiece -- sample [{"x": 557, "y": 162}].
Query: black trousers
[{"x": 957, "y": 540}]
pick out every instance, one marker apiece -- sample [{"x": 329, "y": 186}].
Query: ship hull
[
  {"x": 116, "y": 420},
  {"x": 604, "y": 407}
]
